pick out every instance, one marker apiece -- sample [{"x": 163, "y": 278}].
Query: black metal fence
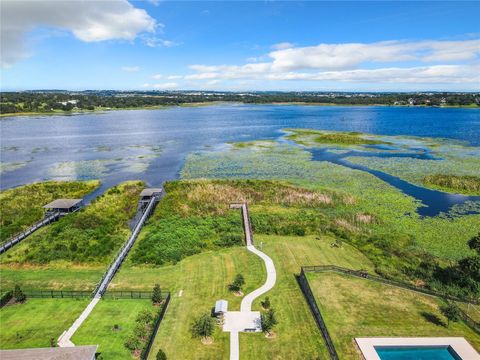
[
  {"x": 158, "y": 320},
  {"x": 65, "y": 294},
  {"x": 302, "y": 279},
  {"x": 364, "y": 274},
  {"x": 312, "y": 303}
]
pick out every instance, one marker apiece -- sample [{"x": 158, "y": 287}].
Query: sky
[{"x": 240, "y": 46}]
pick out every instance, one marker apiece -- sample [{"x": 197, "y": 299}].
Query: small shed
[
  {"x": 221, "y": 307},
  {"x": 52, "y": 353},
  {"x": 64, "y": 206}
]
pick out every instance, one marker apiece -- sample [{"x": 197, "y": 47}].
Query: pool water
[{"x": 416, "y": 353}]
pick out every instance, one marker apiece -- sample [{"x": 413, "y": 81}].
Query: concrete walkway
[
  {"x": 269, "y": 283},
  {"x": 64, "y": 339},
  {"x": 246, "y": 319}
]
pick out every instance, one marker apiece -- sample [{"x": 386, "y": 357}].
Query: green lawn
[
  {"x": 38, "y": 277},
  {"x": 354, "y": 307},
  {"x": 35, "y": 322},
  {"x": 98, "y": 328},
  {"x": 204, "y": 278}
]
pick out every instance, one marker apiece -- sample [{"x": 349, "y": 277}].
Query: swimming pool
[{"x": 416, "y": 353}]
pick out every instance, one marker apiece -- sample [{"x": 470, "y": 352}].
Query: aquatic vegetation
[
  {"x": 11, "y": 166},
  {"x": 396, "y": 225},
  {"x": 22, "y": 206},
  {"x": 457, "y": 183},
  {"x": 85, "y": 169},
  {"x": 307, "y": 136},
  {"x": 91, "y": 235}
]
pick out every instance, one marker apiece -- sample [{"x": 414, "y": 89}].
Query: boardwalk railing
[
  {"x": 364, "y": 274},
  {"x": 247, "y": 225},
  {"x": 19, "y": 237},
  {"x": 122, "y": 253},
  {"x": 312, "y": 303},
  {"x": 156, "y": 326}
]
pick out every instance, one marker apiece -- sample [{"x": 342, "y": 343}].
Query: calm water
[
  {"x": 151, "y": 145},
  {"x": 417, "y": 353}
]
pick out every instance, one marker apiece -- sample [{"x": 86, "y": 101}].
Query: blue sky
[{"x": 252, "y": 45}]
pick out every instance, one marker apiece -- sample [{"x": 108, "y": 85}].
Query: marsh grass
[
  {"x": 457, "y": 183},
  {"x": 21, "y": 207},
  {"x": 89, "y": 236}
]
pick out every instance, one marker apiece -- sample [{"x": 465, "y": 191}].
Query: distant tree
[
  {"x": 202, "y": 326},
  {"x": 18, "y": 294},
  {"x": 161, "y": 355},
  {"x": 451, "y": 312},
  {"x": 237, "y": 283},
  {"x": 157, "y": 294},
  {"x": 266, "y": 303},
  {"x": 268, "y": 320}
]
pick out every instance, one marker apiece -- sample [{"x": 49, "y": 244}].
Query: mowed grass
[
  {"x": 99, "y": 329},
  {"x": 38, "y": 277},
  {"x": 204, "y": 278},
  {"x": 297, "y": 335},
  {"x": 35, "y": 322},
  {"x": 354, "y": 307}
]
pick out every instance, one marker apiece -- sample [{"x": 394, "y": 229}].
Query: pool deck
[{"x": 458, "y": 344}]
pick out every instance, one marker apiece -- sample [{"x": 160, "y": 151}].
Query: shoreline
[{"x": 213, "y": 103}]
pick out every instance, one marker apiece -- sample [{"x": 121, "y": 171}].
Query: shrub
[
  {"x": 237, "y": 283},
  {"x": 203, "y": 326},
  {"x": 161, "y": 355},
  {"x": 18, "y": 294},
  {"x": 266, "y": 303},
  {"x": 451, "y": 312},
  {"x": 268, "y": 320},
  {"x": 6, "y": 298},
  {"x": 157, "y": 294}
]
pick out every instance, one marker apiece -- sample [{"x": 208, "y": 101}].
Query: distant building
[
  {"x": 73, "y": 102},
  {"x": 53, "y": 353}
]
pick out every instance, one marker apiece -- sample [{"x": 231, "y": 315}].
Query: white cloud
[
  {"x": 89, "y": 21},
  {"x": 153, "y": 41},
  {"x": 157, "y": 76},
  {"x": 130, "y": 68},
  {"x": 350, "y": 55},
  {"x": 282, "y": 46},
  {"x": 428, "y": 62},
  {"x": 174, "y": 77},
  {"x": 162, "y": 86}
]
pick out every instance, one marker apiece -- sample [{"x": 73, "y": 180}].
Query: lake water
[{"x": 151, "y": 145}]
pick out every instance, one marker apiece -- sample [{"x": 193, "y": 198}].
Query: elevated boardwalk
[
  {"x": 64, "y": 339},
  {"x": 15, "y": 240},
  {"x": 54, "y": 210}
]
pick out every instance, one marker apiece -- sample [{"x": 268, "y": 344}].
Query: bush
[
  {"x": 157, "y": 294},
  {"x": 161, "y": 355},
  {"x": 6, "y": 298},
  {"x": 18, "y": 294},
  {"x": 237, "y": 283},
  {"x": 203, "y": 326}
]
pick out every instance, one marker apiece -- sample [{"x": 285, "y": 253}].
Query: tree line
[{"x": 50, "y": 101}]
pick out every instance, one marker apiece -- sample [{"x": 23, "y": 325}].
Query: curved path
[
  {"x": 246, "y": 314},
  {"x": 269, "y": 283}
]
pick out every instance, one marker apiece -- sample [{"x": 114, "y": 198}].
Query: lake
[{"x": 151, "y": 145}]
